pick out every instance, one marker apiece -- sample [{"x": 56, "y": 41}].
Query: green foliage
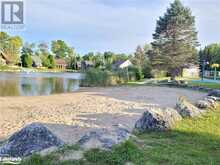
[
  {"x": 175, "y": 39},
  {"x": 211, "y": 54},
  {"x": 28, "y": 48},
  {"x": 48, "y": 61},
  {"x": 51, "y": 62},
  {"x": 98, "y": 77},
  {"x": 137, "y": 71},
  {"x": 10, "y": 45},
  {"x": 147, "y": 70},
  {"x": 60, "y": 49},
  {"x": 126, "y": 152},
  {"x": 26, "y": 60}
]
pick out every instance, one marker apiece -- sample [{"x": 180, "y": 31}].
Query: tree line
[{"x": 175, "y": 46}]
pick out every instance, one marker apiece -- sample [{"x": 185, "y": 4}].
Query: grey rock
[
  {"x": 211, "y": 102},
  {"x": 32, "y": 138},
  {"x": 104, "y": 138},
  {"x": 203, "y": 104},
  {"x": 159, "y": 119},
  {"x": 186, "y": 109},
  {"x": 213, "y": 98},
  {"x": 215, "y": 93}
]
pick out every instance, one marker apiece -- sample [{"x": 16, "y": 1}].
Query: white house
[
  {"x": 191, "y": 71},
  {"x": 122, "y": 64}
]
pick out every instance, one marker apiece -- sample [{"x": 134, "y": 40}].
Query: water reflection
[{"x": 33, "y": 84}]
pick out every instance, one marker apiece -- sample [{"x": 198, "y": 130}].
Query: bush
[
  {"x": 26, "y": 60},
  {"x": 51, "y": 62},
  {"x": 48, "y": 61},
  {"x": 159, "y": 73},
  {"x": 147, "y": 70},
  {"x": 135, "y": 70},
  {"x": 98, "y": 77}
]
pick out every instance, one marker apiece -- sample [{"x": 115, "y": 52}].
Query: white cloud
[{"x": 98, "y": 25}]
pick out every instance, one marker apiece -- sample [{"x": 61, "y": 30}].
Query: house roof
[
  {"x": 60, "y": 62},
  {"x": 119, "y": 63}
]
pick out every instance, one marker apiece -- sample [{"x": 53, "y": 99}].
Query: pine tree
[{"x": 175, "y": 39}]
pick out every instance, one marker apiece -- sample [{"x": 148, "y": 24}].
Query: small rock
[
  {"x": 186, "y": 109},
  {"x": 214, "y": 98},
  {"x": 215, "y": 93},
  {"x": 211, "y": 102},
  {"x": 157, "y": 119},
  {"x": 32, "y": 138},
  {"x": 104, "y": 138},
  {"x": 203, "y": 104}
]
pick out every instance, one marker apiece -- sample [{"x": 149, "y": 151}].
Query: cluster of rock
[
  {"x": 32, "y": 138},
  {"x": 36, "y": 137},
  {"x": 161, "y": 119}
]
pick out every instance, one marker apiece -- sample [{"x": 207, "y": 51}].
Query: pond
[{"x": 35, "y": 84}]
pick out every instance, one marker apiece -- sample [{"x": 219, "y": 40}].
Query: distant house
[
  {"x": 36, "y": 61},
  {"x": 191, "y": 71},
  {"x": 86, "y": 64},
  {"x": 121, "y": 64},
  {"x": 78, "y": 65},
  {"x": 61, "y": 64}
]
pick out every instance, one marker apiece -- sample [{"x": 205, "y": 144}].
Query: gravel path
[{"x": 71, "y": 115}]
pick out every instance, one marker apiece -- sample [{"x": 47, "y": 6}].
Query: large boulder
[
  {"x": 215, "y": 93},
  {"x": 186, "y": 109},
  {"x": 159, "y": 119},
  {"x": 104, "y": 138},
  {"x": 203, "y": 104},
  {"x": 32, "y": 138}
]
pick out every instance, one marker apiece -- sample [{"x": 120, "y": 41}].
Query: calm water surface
[{"x": 34, "y": 84}]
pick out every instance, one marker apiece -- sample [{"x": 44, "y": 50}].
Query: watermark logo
[
  {"x": 12, "y": 15},
  {"x": 10, "y": 160}
]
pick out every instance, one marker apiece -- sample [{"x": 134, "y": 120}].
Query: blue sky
[{"x": 116, "y": 25}]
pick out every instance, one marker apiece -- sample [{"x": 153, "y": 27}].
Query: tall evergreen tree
[{"x": 175, "y": 39}]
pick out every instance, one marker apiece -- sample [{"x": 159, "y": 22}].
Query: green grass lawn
[
  {"x": 205, "y": 84},
  {"x": 192, "y": 141}
]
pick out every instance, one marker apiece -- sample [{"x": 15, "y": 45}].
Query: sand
[{"x": 71, "y": 115}]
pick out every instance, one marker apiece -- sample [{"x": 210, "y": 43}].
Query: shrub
[
  {"x": 147, "y": 70},
  {"x": 26, "y": 60},
  {"x": 98, "y": 77},
  {"x": 51, "y": 61},
  {"x": 159, "y": 73},
  {"x": 135, "y": 70}
]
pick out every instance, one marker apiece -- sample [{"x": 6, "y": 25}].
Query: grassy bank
[
  {"x": 206, "y": 84},
  {"x": 192, "y": 141}
]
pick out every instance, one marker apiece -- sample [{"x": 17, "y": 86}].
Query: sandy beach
[{"x": 70, "y": 115}]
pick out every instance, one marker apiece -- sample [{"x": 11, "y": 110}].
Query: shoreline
[{"x": 70, "y": 115}]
